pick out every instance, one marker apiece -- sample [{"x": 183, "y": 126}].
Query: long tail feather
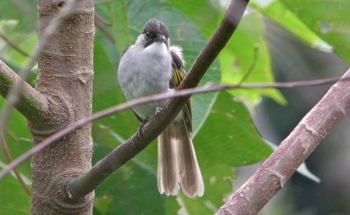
[
  {"x": 190, "y": 175},
  {"x": 177, "y": 162},
  {"x": 168, "y": 173}
]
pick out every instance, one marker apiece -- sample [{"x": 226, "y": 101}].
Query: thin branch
[
  {"x": 252, "y": 65},
  {"x": 292, "y": 152},
  {"x": 17, "y": 174},
  {"x": 289, "y": 85},
  {"x": 136, "y": 102},
  {"x": 13, "y": 45},
  {"x": 31, "y": 101},
  {"x": 102, "y": 20},
  {"x": 105, "y": 32}
]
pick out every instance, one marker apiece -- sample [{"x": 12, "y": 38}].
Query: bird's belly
[
  {"x": 143, "y": 75},
  {"x": 141, "y": 85},
  {"x": 143, "y": 89}
]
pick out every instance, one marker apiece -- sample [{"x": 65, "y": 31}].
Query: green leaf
[
  {"x": 13, "y": 199},
  {"x": 195, "y": 10},
  {"x": 26, "y": 43},
  {"x": 238, "y": 59},
  {"x": 107, "y": 93},
  {"x": 217, "y": 181},
  {"x": 229, "y": 137},
  {"x": 18, "y": 140},
  {"x": 277, "y": 12},
  {"x": 120, "y": 21},
  {"x": 328, "y": 19},
  {"x": 23, "y": 11}
]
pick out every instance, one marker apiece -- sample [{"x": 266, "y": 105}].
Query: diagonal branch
[{"x": 300, "y": 143}]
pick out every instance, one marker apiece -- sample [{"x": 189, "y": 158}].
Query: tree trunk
[{"x": 65, "y": 77}]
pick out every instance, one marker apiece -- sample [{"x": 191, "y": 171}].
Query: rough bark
[{"x": 65, "y": 77}]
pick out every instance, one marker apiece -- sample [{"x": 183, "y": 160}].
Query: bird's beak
[{"x": 160, "y": 38}]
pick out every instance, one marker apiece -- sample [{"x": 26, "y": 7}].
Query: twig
[
  {"x": 102, "y": 20},
  {"x": 13, "y": 45},
  {"x": 252, "y": 65},
  {"x": 136, "y": 102},
  {"x": 105, "y": 32},
  {"x": 17, "y": 174}
]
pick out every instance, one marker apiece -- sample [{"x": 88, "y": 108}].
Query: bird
[{"x": 151, "y": 66}]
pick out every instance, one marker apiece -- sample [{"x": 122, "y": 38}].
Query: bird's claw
[{"x": 158, "y": 109}]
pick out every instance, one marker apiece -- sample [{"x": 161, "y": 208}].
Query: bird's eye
[{"x": 150, "y": 35}]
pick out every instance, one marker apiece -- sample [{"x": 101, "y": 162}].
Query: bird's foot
[{"x": 158, "y": 109}]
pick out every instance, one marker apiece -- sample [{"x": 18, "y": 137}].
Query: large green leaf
[
  {"x": 26, "y": 43},
  {"x": 218, "y": 186},
  {"x": 119, "y": 15},
  {"x": 23, "y": 11},
  {"x": 18, "y": 140},
  {"x": 247, "y": 55},
  {"x": 18, "y": 36},
  {"x": 280, "y": 14},
  {"x": 229, "y": 136},
  {"x": 13, "y": 199},
  {"x": 328, "y": 19},
  {"x": 201, "y": 13}
]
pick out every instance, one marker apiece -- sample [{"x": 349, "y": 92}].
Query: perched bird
[{"x": 152, "y": 66}]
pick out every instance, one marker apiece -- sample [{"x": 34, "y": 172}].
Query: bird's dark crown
[{"x": 154, "y": 27}]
